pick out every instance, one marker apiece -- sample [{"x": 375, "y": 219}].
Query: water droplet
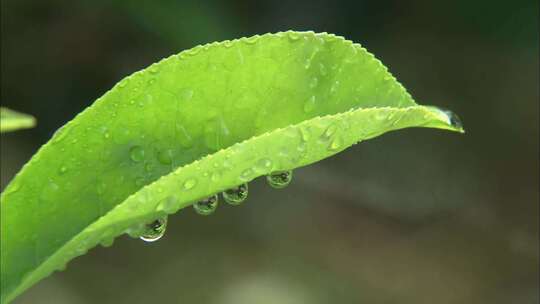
[
  {"x": 136, "y": 153},
  {"x": 293, "y": 36},
  {"x": 305, "y": 133},
  {"x": 13, "y": 187},
  {"x": 334, "y": 87},
  {"x": 322, "y": 69},
  {"x": 149, "y": 167},
  {"x": 123, "y": 83},
  {"x": 313, "y": 82},
  {"x": 246, "y": 174},
  {"x": 60, "y": 134},
  {"x": 335, "y": 144},
  {"x": 107, "y": 242},
  {"x": 206, "y": 206},
  {"x": 215, "y": 176},
  {"x": 165, "y": 157},
  {"x": 190, "y": 183},
  {"x": 279, "y": 180},
  {"x": 107, "y": 135},
  {"x": 237, "y": 195},
  {"x": 330, "y": 131},
  {"x": 168, "y": 205},
  {"x": 251, "y": 40},
  {"x": 227, "y": 43},
  {"x": 194, "y": 51},
  {"x": 154, "y": 230},
  {"x": 453, "y": 119},
  {"x": 154, "y": 69},
  {"x": 263, "y": 165},
  {"x": 309, "y": 105},
  {"x": 100, "y": 188},
  {"x": 62, "y": 170},
  {"x": 140, "y": 181}
]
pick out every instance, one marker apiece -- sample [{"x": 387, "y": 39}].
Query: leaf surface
[{"x": 191, "y": 126}]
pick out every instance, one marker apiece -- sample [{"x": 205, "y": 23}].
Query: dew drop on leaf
[
  {"x": 136, "y": 153},
  {"x": 154, "y": 230},
  {"x": 330, "y": 131},
  {"x": 293, "y": 36},
  {"x": 279, "y": 180},
  {"x": 235, "y": 196},
  {"x": 309, "y": 105},
  {"x": 107, "y": 242},
  {"x": 313, "y": 82},
  {"x": 62, "y": 170},
  {"x": 190, "y": 183},
  {"x": 453, "y": 119},
  {"x": 215, "y": 176},
  {"x": 251, "y": 40},
  {"x": 139, "y": 181},
  {"x": 165, "y": 157},
  {"x": 168, "y": 205},
  {"x": 335, "y": 144},
  {"x": 263, "y": 165},
  {"x": 206, "y": 206},
  {"x": 305, "y": 133},
  {"x": 246, "y": 174}
]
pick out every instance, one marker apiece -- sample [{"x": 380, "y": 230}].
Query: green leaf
[
  {"x": 188, "y": 127},
  {"x": 11, "y": 120}
]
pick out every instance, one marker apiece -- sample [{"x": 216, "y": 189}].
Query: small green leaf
[
  {"x": 195, "y": 124},
  {"x": 11, "y": 120}
]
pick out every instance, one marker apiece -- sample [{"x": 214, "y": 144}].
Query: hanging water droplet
[
  {"x": 279, "y": 180},
  {"x": 206, "y": 206},
  {"x": 237, "y": 195},
  {"x": 154, "y": 230},
  {"x": 190, "y": 183},
  {"x": 453, "y": 119},
  {"x": 136, "y": 153},
  {"x": 309, "y": 105}
]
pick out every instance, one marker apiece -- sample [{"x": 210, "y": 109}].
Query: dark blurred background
[{"x": 415, "y": 216}]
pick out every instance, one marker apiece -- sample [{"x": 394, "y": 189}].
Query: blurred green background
[{"x": 415, "y": 216}]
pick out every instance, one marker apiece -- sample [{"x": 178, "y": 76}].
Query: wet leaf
[{"x": 195, "y": 124}]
